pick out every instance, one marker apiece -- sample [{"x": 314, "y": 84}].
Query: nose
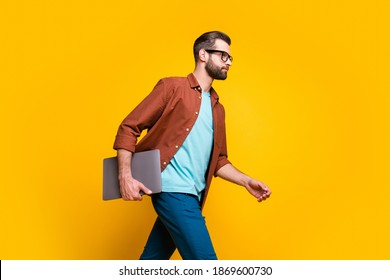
[{"x": 229, "y": 62}]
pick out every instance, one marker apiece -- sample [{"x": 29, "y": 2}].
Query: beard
[{"x": 215, "y": 72}]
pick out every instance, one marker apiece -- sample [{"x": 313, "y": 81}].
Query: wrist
[
  {"x": 245, "y": 181},
  {"x": 125, "y": 176}
]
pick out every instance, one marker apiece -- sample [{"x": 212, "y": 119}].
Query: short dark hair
[{"x": 207, "y": 41}]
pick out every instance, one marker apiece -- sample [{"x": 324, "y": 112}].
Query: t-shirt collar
[{"x": 195, "y": 85}]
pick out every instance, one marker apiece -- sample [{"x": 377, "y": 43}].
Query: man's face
[{"x": 215, "y": 66}]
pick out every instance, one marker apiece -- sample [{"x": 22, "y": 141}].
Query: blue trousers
[{"x": 180, "y": 225}]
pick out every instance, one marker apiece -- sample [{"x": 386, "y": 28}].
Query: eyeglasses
[{"x": 224, "y": 55}]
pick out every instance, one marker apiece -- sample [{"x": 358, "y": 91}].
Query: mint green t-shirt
[{"x": 185, "y": 173}]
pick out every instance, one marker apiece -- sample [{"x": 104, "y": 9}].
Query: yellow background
[{"x": 307, "y": 102}]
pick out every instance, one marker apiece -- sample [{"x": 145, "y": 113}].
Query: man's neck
[{"x": 204, "y": 80}]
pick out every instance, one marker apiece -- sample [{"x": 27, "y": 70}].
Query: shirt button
[
  {"x": 165, "y": 163},
  {"x": 176, "y": 146},
  {"x": 196, "y": 112},
  {"x": 187, "y": 129}
]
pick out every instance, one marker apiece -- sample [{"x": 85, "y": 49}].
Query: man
[{"x": 186, "y": 122}]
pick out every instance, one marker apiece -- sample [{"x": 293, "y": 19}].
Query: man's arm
[
  {"x": 254, "y": 187},
  {"x": 129, "y": 187},
  {"x": 144, "y": 116}
]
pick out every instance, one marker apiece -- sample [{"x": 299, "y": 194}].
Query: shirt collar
[{"x": 195, "y": 85}]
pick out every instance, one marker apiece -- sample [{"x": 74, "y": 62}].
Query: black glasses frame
[{"x": 224, "y": 55}]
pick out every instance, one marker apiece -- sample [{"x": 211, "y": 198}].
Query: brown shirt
[{"x": 168, "y": 113}]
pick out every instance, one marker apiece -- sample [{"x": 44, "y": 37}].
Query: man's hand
[
  {"x": 258, "y": 189},
  {"x": 131, "y": 188}
]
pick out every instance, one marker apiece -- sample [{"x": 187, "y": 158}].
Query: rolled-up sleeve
[{"x": 222, "y": 161}]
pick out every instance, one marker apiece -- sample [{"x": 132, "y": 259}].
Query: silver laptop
[{"x": 145, "y": 167}]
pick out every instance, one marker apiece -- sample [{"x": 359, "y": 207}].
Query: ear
[{"x": 202, "y": 55}]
